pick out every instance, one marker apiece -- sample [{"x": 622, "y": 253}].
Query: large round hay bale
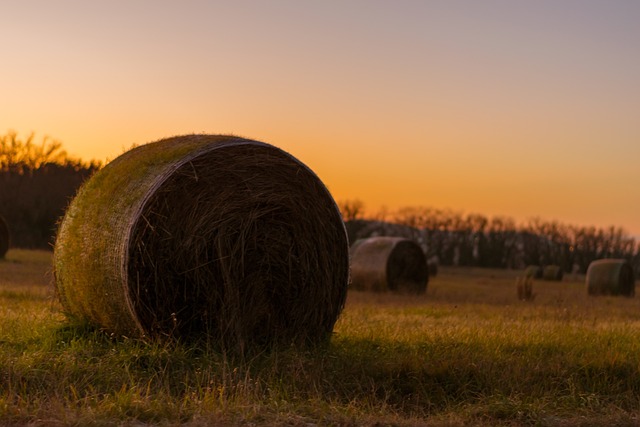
[
  {"x": 388, "y": 264},
  {"x": 610, "y": 277},
  {"x": 4, "y": 237},
  {"x": 552, "y": 273},
  {"x": 205, "y": 236}
]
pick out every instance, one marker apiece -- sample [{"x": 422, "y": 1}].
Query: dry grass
[
  {"x": 23, "y": 268},
  {"x": 467, "y": 352}
]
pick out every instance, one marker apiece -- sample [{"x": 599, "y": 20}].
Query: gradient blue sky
[{"x": 508, "y": 108}]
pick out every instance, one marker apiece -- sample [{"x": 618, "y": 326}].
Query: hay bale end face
[
  {"x": 610, "y": 277},
  {"x": 4, "y": 237},
  {"x": 388, "y": 264},
  {"x": 205, "y": 236}
]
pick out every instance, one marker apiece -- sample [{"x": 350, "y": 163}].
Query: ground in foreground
[{"x": 465, "y": 353}]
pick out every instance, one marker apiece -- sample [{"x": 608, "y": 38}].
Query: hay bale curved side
[
  {"x": 4, "y": 237},
  {"x": 205, "y": 235},
  {"x": 610, "y": 277},
  {"x": 552, "y": 273},
  {"x": 388, "y": 264}
]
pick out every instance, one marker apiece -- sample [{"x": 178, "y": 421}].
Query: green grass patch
[{"x": 465, "y": 353}]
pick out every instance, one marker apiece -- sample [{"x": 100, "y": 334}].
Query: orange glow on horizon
[{"x": 521, "y": 110}]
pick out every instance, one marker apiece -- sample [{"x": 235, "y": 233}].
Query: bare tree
[{"x": 351, "y": 209}]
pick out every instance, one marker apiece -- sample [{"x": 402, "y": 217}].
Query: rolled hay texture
[
  {"x": 610, "y": 277},
  {"x": 4, "y": 237},
  {"x": 552, "y": 273},
  {"x": 205, "y": 236},
  {"x": 388, "y": 264}
]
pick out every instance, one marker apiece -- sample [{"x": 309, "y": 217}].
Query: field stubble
[{"x": 467, "y": 352}]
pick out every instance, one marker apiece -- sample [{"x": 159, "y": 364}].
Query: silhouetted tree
[
  {"x": 351, "y": 209},
  {"x": 37, "y": 182}
]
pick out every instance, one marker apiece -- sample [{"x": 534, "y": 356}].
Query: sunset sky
[{"x": 515, "y": 108}]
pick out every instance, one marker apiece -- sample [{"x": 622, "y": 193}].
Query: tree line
[
  {"x": 498, "y": 242},
  {"x": 37, "y": 182}
]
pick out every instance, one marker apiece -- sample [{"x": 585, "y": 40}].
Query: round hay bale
[
  {"x": 610, "y": 277},
  {"x": 534, "y": 271},
  {"x": 388, "y": 264},
  {"x": 4, "y": 237},
  {"x": 552, "y": 273},
  {"x": 205, "y": 236}
]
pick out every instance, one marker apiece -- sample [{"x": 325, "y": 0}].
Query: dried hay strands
[
  {"x": 4, "y": 237},
  {"x": 610, "y": 277},
  {"x": 207, "y": 236},
  {"x": 552, "y": 273},
  {"x": 388, "y": 264}
]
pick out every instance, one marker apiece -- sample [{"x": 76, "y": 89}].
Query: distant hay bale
[
  {"x": 610, "y": 277},
  {"x": 552, "y": 273},
  {"x": 205, "y": 236},
  {"x": 534, "y": 271},
  {"x": 388, "y": 264},
  {"x": 4, "y": 237}
]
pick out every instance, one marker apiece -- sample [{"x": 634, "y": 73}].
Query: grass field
[{"x": 466, "y": 353}]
